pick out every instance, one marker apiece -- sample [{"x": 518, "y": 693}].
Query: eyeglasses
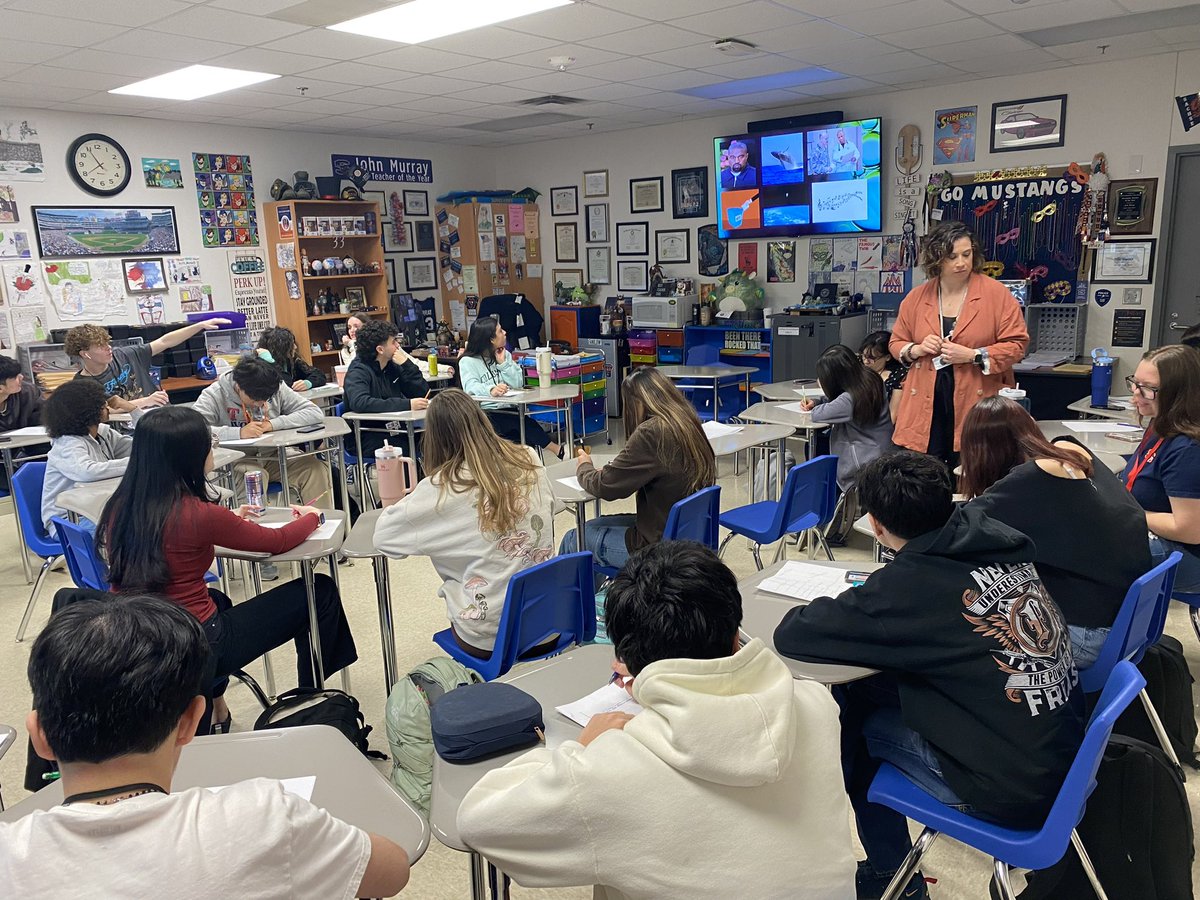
[{"x": 1149, "y": 391}]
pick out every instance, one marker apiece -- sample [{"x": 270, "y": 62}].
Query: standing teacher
[{"x": 960, "y": 333}]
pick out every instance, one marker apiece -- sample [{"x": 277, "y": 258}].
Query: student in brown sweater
[{"x": 666, "y": 457}]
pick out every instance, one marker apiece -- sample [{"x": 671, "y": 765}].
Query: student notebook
[{"x": 804, "y": 581}]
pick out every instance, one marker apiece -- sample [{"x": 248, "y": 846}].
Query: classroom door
[{"x": 1177, "y": 303}]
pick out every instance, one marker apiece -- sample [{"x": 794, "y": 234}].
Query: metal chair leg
[
  {"x": 1159, "y": 730},
  {"x": 1000, "y": 879},
  {"x": 248, "y": 681},
  {"x": 1194, "y": 612},
  {"x": 823, "y": 542},
  {"x": 47, "y": 565},
  {"x": 757, "y": 558},
  {"x": 779, "y": 550},
  {"x": 721, "y": 549},
  {"x": 911, "y": 862},
  {"x": 1088, "y": 868}
]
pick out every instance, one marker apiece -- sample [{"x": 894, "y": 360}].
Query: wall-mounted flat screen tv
[{"x": 822, "y": 179}]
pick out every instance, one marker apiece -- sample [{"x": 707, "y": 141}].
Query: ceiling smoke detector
[
  {"x": 560, "y": 62},
  {"x": 734, "y": 47}
]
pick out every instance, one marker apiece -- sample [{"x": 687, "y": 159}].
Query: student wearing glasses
[
  {"x": 875, "y": 356},
  {"x": 1164, "y": 474}
]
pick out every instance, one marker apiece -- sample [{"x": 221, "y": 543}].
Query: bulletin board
[
  {"x": 487, "y": 247},
  {"x": 1026, "y": 221}
]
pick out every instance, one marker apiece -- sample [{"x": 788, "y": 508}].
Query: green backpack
[{"x": 408, "y": 731}]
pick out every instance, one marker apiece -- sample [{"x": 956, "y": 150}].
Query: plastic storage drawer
[
  {"x": 670, "y": 337},
  {"x": 670, "y": 355}
]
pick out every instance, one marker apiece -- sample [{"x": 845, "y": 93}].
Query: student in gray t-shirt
[{"x": 124, "y": 372}]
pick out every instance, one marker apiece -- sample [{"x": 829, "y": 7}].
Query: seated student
[
  {"x": 666, "y": 457},
  {"x": 878, "y": 358},
  {"x": 1089, "y": 534},
  {"x": 382, "y": 378},
  {"x": 116, "y": 697},
  {"x": 82, "y": 447},
  {"x": 487, "y": 369},
  {"x": 1164, "y": 473},
  {"x": 978, "y": 699},
  {"x": 1191, "y": 337},
  {"x": 124, "y": 372},
  {"x": 725, "y": 785},
  {"x": 251, "y": 401},
  {"x": 20, "y": 405},
  {"x": 278, "y": 347},
  {"x": 158, "y": 533},
  {"x": 348, "y": 348},
  {"x": 484, "y": 513}
]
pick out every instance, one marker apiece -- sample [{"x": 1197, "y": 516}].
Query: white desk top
[
  {"x": 408, "y": 415},
  {"x": 1096, "y": 441},
  {"x": 552, "y": 682},
  {"x": 347, "y": 785},
  {"x": 762, "y": 612},
  {"x": 1124, "y": 413},
  {"x": 706, "y": 371},
  {"x": 17, "y": 441},
  {"x": 304, "y": 552},
  {"x": 801, "y": 389},
  {"x": 88, "y": 500},
  {"x": 566, "y": 469},
  {"x": 331, "y": 427},
  {"x": 360, "y": 543},
  {"x": 320, "y": 393},
  {"x": 749, "y": 436},
  {"x": 774, "y": 414},
  {"x": 533, "y": 395}
]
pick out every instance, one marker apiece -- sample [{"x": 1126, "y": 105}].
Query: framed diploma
[{"x": 1131, "y": 205}]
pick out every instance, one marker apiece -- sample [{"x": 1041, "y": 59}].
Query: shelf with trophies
[{"x": 327, "y": 265}]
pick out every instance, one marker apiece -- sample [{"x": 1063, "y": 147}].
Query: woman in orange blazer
[{"x": 960, "y": 333}]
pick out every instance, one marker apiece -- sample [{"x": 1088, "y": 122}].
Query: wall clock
[{"x": 99, "y": 165}]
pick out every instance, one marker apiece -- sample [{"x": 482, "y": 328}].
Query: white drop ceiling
[{"x": 634, "y": 59}]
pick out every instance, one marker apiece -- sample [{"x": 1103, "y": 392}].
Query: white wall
[
  {"x": 1122, "y": 108},
  {"x": 274, "y": 154}
]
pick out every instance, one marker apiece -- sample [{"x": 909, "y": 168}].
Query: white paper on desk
[
  {"x": 239, "y": 442},
  {"x": 302, "y": 786},
  {"x": 510, "y": 393},
  {"x": 31, "y": 431},
  {"x": 793, "y": 407},
  {"x": 804, "y": 581},
  {"x": 1083, "y": 426},
  {"x": 610, "y": 698},
  {"x": 325, "y": 532},
  {"x": 572, "y": 483},
  {"x": 719, "y": 429}
]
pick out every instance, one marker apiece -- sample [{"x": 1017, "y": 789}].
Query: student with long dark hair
[
  {"x": 666, "y": 457},
  {"x": 158, "y": 533},
  {"x": 487, "y": 369},
  {"x": 278, "y": 347},
  {"x": 1054, "y": 492},
  {"x": 875, "y": 356}
]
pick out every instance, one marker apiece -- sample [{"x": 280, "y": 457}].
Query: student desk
[
  {"x": 1096, "y": 441},
  {"x": 307, "y": 554},
  {"x": 324, "y": 396},
  {"x": 803, "y": 389},
  {"x": 576, "y": 498},
  {"x": 774, "y": 414},
  {"x": 762, "y": 612},
  {"x": 1124, "y": 413},
  {"x": 413, "y": 419},
  {"x": 360, "y": 544},
  {"x": 552, "y": 682},
  {"x": 347, "y": 785},
  {"x": 715, "y": 374},
  {"x": 12, "y": 443},
  {"x": 560, "y": 395},
  {"x": 328, "y": 440}
]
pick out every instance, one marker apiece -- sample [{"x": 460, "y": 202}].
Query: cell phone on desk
[
  {"x": 803, "y": 381},
  {"x": 309, "y": 429},
  {"x": 1131, "y": 437},
  {"x": 857, "y": 577}
]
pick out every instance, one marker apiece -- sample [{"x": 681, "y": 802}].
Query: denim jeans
[
  {"x": 605, "y": 536},
  {"x": 1086, "y": 644},
  {"x": 873, "y": 732},
  {"x": 1187, "y": 576}
]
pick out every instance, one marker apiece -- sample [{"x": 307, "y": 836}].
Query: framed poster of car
[{"x": 1031, "y": 124}]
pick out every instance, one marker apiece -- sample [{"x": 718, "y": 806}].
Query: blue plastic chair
[
  {"x": 27, "y": 485},
  {"x": 1139, "y": 623},
  {"x": 695, "y": 518},
  {"x": 79, "y": 548},
  {"x": 1024, "y": 848},
  {"x": 807, "y": 503},
  {"x": 554, "y": 597}
]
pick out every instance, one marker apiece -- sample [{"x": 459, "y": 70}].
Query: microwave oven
[{"x": 663, "y": 312}]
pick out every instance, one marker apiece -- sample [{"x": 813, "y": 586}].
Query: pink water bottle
[{"x": 397, "y": 474}]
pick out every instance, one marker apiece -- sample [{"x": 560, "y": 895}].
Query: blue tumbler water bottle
[{"x": 1102, "y": 372}]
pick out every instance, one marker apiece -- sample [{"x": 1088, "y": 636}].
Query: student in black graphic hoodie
[{"x": 978, "y": 699}]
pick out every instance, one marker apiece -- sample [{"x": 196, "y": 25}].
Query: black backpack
[
  {"x": 1169, "y": 686},
  {"x": 313, "y": 706},
  {"x": 1137, "y": 831}
]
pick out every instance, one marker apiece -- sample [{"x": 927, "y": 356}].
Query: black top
[
  {"x": 981, "y": 655},
  {"x": 1090, "y": 536},
  {"x": 299, "y": 370},
  {"x": 22, "y": 409},
  {"x": 369, "y": 388}
]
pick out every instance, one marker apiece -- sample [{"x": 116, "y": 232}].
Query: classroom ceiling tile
[
  {"x": 646, "y": 39},
  {"x": 576, "y": 22},
  {"x": 275, "y": 116},
  {"x": 693, "y": 56},
  {"x": 75, "y": 78},
  {"x": 322, "y": 107},
  {"x": 496, "y": 72},
  {"x": 662, "y": 10},
  {"x": 108, "y": 63},
  {"x": 300, "y": 86},
  {"x": 884, "y": 62},
  {"x": 827, "y": 9},
  {"x": 1114, "y": 48},
  {"x": 932, "y": 72},
  {"x": 742, "y": 19},
  {"x": 442, "y": 104},
  {"x": 1012, "y": 63},
  {"x": 21, "y": 24},
  {"x": 376, "y": 96},
  {"x": 432, "y": 85},
  {"x": 584, "y": 55},
  {"x": 793, "y": 39},
  {"x": 420, "y": 60},
  {"x": 900, "y": 16},
  {"x": 945, "y": 33},
  {"x": 175, "y": 51},
  {"x": 226, "y": 25},
  {"x": 15, "y": 93},
  {"x": 675, "y": 81},
  {"x": 326, "y": 44},
  {"x": 130, "y": 13},
  {"x": 618, "y": 92},
  {"x": 1051, "y": 15},
  {"x": 495, "y": 93},
  {"x": 629, "y": 69},
  {"x": 354, "y": 73},
  {"x": 21, "y": 51},
  {"x": 557, "y": 83},
  {"x": 491, "y": 42},
  {"x": 965, "y": 50},
  {"x": 256, "y": 59}
]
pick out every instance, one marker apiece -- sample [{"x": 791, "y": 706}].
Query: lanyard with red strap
[{"x": 1137, "y": 467}]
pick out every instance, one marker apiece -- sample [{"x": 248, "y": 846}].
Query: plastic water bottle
[
  {"x": 601, "y": 627},
  {"x": 1102, "y": 373}
]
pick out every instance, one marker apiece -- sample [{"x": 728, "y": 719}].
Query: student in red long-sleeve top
[{"x": 158, "y": 533}]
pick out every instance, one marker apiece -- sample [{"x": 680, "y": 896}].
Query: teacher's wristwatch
[{"x": 981, "y": 356}]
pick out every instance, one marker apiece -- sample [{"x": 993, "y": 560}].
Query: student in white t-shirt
[
  {"x": 117, "y": 694},
  {"x": 484, "y": 513}
]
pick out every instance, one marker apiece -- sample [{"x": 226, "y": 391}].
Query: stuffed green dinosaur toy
[{"x": 738, "y": 292}]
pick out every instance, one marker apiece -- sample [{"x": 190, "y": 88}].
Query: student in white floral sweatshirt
[
  {"x": 484, "y": 513},
  {"x": 726, "y": 784}
]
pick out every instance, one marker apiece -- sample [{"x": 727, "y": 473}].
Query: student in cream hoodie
[{"x": 728, "y": 783}]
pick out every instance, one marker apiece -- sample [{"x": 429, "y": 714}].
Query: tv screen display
[{"x": 822, "y": 179}]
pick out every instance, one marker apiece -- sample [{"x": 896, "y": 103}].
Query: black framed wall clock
[{"x": 99, "y": 165}]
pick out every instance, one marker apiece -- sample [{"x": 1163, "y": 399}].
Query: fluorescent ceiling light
[
  {"x": 193, "y": 82},
  {"x": 424, "y": 20}
]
